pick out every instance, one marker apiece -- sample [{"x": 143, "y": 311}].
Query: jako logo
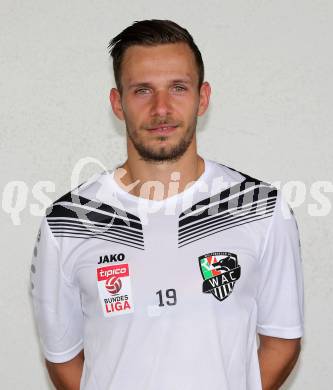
[{"x": 111, "y": 258}]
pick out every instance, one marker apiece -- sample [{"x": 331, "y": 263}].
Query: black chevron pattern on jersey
[
  {"x": 246, "y": 202},
  {"x": 75, "y": 216}
]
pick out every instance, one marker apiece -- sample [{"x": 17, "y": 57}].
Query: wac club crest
[{"x": 220, "y": 271}]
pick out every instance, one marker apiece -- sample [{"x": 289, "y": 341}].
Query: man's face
[{"x": 160, "y": 99}]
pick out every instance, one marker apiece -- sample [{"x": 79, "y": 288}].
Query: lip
[{"x": 163, "y": 129}]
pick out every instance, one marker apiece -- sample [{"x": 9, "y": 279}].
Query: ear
[
  {"x": 115, "y": 100},
  {"x": 205, "y": 91}
]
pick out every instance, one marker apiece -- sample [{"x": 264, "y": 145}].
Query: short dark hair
[{"x": 151, "y": 33}]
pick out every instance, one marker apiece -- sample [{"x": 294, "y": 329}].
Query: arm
[
  {"x": 277, "y": 358},
  {"x": 57, "y": 311},
  {"x": 66, "y": 376}
]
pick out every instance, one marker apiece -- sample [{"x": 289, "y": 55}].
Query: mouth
[{"x": 163, "y": 129}]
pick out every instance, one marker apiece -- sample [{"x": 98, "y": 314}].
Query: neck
[{"x": 159, "y": 180}]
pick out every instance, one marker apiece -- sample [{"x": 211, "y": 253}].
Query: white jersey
[{"x": 168, "y": 294}]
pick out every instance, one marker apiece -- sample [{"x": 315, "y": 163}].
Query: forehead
[{"x": 163, "y": 61}]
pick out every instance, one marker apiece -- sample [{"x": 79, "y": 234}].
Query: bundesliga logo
[
  {"x": 114, "y": 287},
  {"x": 220, "y": 271}
]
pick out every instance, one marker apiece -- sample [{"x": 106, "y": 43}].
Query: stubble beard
[{"x": 162, "y": 153}]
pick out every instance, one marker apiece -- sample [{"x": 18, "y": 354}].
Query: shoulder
[
  {"x": 234, "y": 174},
  {"x": 85, "y": 195},
  {"x": 235, "y": 195},
  {"x": 90, "y": 207},
  {"x": 264, "y": 195},
  {"x": 239, "y": 181},
  {"x": 246, "y": 192},
  {"x": 258, "y": 199}
]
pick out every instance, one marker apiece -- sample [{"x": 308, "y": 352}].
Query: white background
[{"x": 270, "y": 67}]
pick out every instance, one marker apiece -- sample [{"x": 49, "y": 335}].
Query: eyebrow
[{"x": 148, "y": 85}]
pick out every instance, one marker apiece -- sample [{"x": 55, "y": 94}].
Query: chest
[{"x": 168, "y": 271}]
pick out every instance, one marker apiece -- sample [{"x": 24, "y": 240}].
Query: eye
[
  {"x": 141, "y": 91},
  {"x": 179, "y": 88}
]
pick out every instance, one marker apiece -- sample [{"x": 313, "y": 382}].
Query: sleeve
[
  {"x": 280, "y": 294},
  {"x": 56, "y": 302}
]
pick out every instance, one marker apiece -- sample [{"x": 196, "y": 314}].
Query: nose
[{"x": 161, "y": 105}]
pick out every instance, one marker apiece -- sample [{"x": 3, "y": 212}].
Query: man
[{"x": 160, "y": 273}]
